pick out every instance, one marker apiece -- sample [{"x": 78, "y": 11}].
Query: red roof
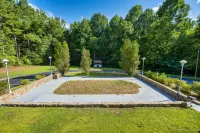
[{"x": 98, "y": 61}]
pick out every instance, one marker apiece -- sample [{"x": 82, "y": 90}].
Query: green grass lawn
[
  {"x": 99, "y": 120},
  {"x": 185, "y": 76},
  {"x": 26, "y": 70},
  {"x": 98, "y": 74}
]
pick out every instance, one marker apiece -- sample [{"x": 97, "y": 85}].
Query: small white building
[{"x": 97, "y": 63}]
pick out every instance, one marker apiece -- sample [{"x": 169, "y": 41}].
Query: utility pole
[
  {"x": 3, "y": 50},
  {"x": 197, "y": 63},
  {"x": 94, "y": 55}
]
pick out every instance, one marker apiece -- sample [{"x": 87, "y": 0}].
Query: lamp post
[
  {"x": 5, "y": 61},
  {"x": 182, "y": 64},
  {"x": 197, "y": 63},
  {"x": 143, "y": 65},
  {"x": 50, "y": 64}
]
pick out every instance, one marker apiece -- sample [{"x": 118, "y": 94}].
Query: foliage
[
  {"x": 24, "y": 81},
  {"x": 3, "y": 86},
  {"x": 29, "y": 36},
  {"x": 62, "y": 58},
  {"x": 174, "y": 82},
  {"x": 27, "y": 33},
  {"x": 129, "y": 57},
  {"x": 196, "y": 87},
  {"x": 186, "y": 87},
  {"x": 38, "y": 76},
  {"x": 86, "y": 62}
]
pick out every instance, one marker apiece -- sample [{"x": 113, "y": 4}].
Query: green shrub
[
  {"x": 26, "y": 61},
  {"x": 155, "y": 76},
  {"x": 12, "y": 60},
  {"x": 149, "y": 74},
  {"x": 196, "y": 87},
  {"x": 162, "y": 79},
  {"x": 24, "y": 82},
  {"x": 19, "y": 62},
  {"x": 37, "y": 77},
  {"x": 35, "y": 58},
  {"x": 186, "y": 87},
  {"x": 3, "y": 86},
  {"x": 171, "y": 83}
]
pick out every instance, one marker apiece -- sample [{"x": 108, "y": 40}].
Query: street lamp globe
[
  {"x": 183, "y": 62},
  {"x": 143, "y": 58},
  {"x": 50, "y": 57},
  {"x": 5, "y": 61},
  {"x": 143, "y": 65}
]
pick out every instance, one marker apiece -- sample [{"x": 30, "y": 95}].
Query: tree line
[{"x": 164, "y": 37}]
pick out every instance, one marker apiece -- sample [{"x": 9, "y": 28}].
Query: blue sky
[{"x": 75, "y": 10}]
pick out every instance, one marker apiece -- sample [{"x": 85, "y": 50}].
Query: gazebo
[{"x": 97, "y": 63}]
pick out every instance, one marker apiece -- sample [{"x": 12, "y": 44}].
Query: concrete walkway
[{"x": 44, "y": 93}]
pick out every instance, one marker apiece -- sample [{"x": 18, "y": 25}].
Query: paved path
[
  {"x": 16, "y": 80},
  {"x": 44, "y": 93}
]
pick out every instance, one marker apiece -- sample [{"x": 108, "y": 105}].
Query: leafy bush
[
  {"x": 162, "y": 79},
  {"x": 196, "y": 87},
  {"x": 171, "y": 83},
  {"x": 3, "y": 86},
  {"x": 149, "y": 74},
  {"x": 186, "y": 87},
  {"x": 26, "y": 61},
  {"x": 37, "y": 77},
  {"x": 35, "y": 58},
  {"x": 12, "y": 60},
  {"x": 19, "y": 62},
  {"x": 24, "y": 81},
  {"x": 155, "y": 76}
]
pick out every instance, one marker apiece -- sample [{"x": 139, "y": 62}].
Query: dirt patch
[{"x": 98, "y": 87}]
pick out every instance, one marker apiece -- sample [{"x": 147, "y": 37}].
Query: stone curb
[
  {"x": 167, "y": 90},
  {"x": 103, "y": 105},
  {"x": 20, "y": 91}
]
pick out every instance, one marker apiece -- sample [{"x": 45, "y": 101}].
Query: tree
[
  {"x": 129, "y": 57},
  {"x": 98, "y": 24},
  {"x": 134, "y": 14},
  {"x": 62, "y": 57},
  {"x": 86, "y": 62}
]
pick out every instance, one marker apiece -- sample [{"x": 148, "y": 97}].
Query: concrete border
[
  {"x": 16, "y": 93},
  {"x": 103, "y": 105},
  {"x": 166, "y": 89}
]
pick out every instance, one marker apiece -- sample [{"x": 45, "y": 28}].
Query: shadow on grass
[{"x": 97, "y": 74}]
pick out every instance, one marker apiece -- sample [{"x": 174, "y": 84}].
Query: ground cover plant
[
  {"x": 24, "y": 82},
  {"x": 3, "y": 86},
  {"x": 98, "y": 87},
  {"x": 84, "y": 120},
  {"x": 174, "y": 83}
]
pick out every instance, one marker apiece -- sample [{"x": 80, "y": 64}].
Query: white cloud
[
  {"x": 198, "y": 1},
  {"x": 67, "y": 25},
  {"x": 49, "y": 14},
  {"x": 155, "y": 9},
  {"x": 33, "y": 6},
  {"x": 82, "y": 17}
]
